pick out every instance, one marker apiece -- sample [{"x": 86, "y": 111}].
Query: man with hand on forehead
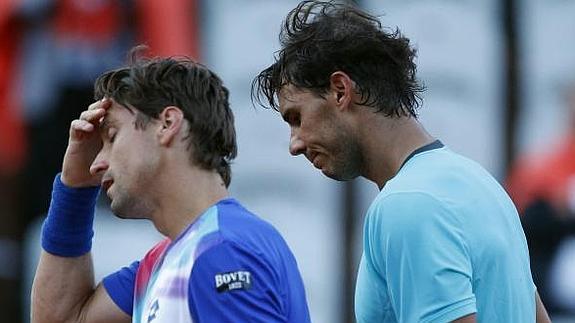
[{"x": 159, "y": 142}]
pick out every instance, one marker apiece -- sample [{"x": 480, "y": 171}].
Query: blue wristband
[{"x": 67, "y": 230}]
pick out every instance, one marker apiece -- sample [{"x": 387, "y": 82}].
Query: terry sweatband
[{"x": 67, "y": 230}]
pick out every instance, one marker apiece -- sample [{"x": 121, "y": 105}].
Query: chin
[
  {"x": 341, "y": 176},
  {"x": 127, "y": 216},
  {"x": 128, "y": 210},
  {"x": 335, "y": 176}
]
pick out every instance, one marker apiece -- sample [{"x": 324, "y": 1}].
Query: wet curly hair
[{"x": 319, "y": 38}]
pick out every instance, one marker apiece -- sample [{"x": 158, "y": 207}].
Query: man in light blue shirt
[{"x": 442, "y": 241}]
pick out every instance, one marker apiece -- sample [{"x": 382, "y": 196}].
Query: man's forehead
[
  {"x": 110, "y": 112},
  {"x": 107, "y": 121},
  {"x": 288, "y": 91},
  {"x": 114, "y": 113},
  {"x": 288, "y": 96}
]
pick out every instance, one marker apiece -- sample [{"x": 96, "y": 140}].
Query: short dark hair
[
  {"x": 319, "y": 38},
  {"x": 148, "y": 85}
]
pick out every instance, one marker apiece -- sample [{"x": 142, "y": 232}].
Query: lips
[
  {"x": 106, "y": 183},
  {"x": 314, "y": 158}
]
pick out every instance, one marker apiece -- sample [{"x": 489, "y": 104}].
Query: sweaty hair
[
  {"x": 319, "y": 38},
  {"x": 150, "y": 85}
]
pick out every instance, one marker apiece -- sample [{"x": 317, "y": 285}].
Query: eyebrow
[{"x": 292, "y": 105}]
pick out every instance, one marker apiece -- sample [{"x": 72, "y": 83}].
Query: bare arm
[
  {"x": 466, "y": 319},
  {"x": 540, "y": 311},
  {"x": 63, "y": 289}
]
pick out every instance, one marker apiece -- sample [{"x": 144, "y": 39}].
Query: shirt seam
[{"x": 453, "y": 308}]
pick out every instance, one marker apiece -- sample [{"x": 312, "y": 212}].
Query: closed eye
[
  {"x": 111, "y": 134},
  {"x": 292, "y": 118},
  {"x": 108, "y": 130}
]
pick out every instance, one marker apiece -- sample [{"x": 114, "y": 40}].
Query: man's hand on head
[{"x": 84, "y": 143}]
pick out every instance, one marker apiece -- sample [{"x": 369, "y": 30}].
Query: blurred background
[{"x": 501, "y": 90}]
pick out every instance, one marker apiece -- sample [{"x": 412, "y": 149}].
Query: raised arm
[
  {"x": 64, "y": 289},
  {"x": 64, "y": 292}
]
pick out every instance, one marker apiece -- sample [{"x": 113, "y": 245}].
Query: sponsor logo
[{"x": 235, "y": 280}]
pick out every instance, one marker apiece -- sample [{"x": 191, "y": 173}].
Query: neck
[
  {"x": 388, "y": 142},
  {"x": 183, "y": 196}
]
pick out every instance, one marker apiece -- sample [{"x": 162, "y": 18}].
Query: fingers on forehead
[{"x": 105, "y": 103}]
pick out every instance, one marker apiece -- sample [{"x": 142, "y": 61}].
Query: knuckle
[{"x": 94, "y": 105}]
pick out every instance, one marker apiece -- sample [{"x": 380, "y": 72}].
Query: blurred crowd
[
  {"x": 50, "y": 53},
  {"x": 542, "y": 185}
]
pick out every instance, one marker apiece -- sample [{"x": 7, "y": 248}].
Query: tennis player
[
  {"x": 159, "y": 142},
  {"x": 442, "y": 240}
]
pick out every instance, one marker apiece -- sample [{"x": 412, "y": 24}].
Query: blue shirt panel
[
  {"x": 120, "y": 287},
  {"x": 243, "y": 243}
]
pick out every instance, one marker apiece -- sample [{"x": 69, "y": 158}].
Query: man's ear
[
  {"x": 342, "y": 89},
  {"x": 171, "y": 123}
]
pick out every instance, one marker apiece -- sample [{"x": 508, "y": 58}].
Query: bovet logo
[{"x": 235, "y": 280}]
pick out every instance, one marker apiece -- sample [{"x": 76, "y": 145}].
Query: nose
[
  {"x": 100, "y": 164},
  {"x": 296, "y": 145}
]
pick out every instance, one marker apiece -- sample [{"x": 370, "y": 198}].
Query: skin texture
[
  {"x": 541, "y": 312},
  {"x": 466, "y": 319},
  {"x": 147, "y": 173},
  {"x": 319, "y": 135}
]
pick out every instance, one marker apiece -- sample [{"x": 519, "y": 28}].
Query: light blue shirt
[{"x": 443, "y": 240}]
